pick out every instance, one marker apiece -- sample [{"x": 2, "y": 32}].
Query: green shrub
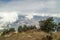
[
  {"x": 47, "y": 25},
  {"x": 20, "y": 29},
  {"x": 5, "y": 32},
  {"x": 12, "y": 30},
  {"x": 25, "y": 28}
]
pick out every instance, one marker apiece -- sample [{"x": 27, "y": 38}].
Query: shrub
[
  {"x": 11, "y": 30},
  {"x": 20, "y": 29},
  {"x": 25, "y": 28},
  {"x": 5, "y": 32},
  {"x": 47, "y": 25}
]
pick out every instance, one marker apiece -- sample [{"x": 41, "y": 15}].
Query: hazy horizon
[{"x": 11, "y": 9}]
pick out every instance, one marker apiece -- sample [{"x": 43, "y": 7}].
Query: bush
[
  {"x": 11, "y": 30},
  {"x": 20, "y": 29},
  {"x": 47, "y": 25},
  {"x": 32, "y": 27},
  {"x": 25, "y": 28},
  {"x": 5, "y": 32}
]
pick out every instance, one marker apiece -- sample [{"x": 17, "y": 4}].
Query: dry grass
[
  {"x": 56, "y": 36},
  {"x": 29, "y": 35}
]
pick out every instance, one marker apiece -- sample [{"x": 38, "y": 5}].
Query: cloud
[
  {"x": 30, "y": 16},
  {"x": 49, "y": 15},
  {"x": 8, "y": 18},
  {"x": 31, "y": 6}
]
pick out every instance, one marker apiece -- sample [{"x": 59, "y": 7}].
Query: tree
[
  {"x": 59, "y": 23},
  {"x": 20, "y": 29},
  {"x": 12, "y": 30},
  {"x": 47, "y": 25},
  {"x": 58, "y": 27},
  {"x": 32, "y": 27},
  {"x": 5, "y": 32},
  {"x": 25, "y": 28}
]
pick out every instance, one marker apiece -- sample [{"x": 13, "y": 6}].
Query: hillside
[
  {"x": 28, "y": 35},
  {"x": 32, "y": 33}
]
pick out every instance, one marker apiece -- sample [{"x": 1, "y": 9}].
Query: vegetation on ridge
[{"x": 47, "y": 27}]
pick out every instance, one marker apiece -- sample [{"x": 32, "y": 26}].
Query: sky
[
  {"x": 29, "y": 6},
  {"x": 10, "y": 9}
]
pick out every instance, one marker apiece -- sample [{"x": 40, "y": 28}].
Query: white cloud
[
  {"x": 30, "y": 6},
  {"x": 30, "y": 16},
  {"x": 8, "y": 17}
]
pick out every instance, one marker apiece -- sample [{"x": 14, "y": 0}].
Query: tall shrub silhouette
[
  {"x": 47, "y": 25},
  {"x": 12, "y": 30},
  {"x": 20, "y": 29},
  {"x": 25, "y": 28}
]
